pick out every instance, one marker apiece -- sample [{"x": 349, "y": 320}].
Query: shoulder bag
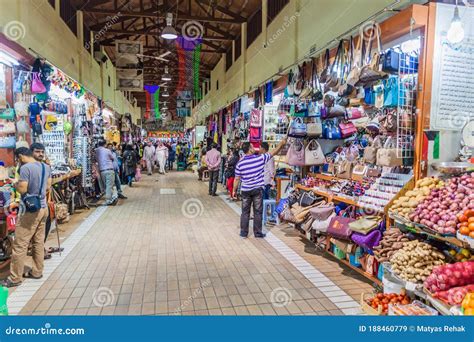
[
  {"x": 317, "y": 92},
  {"x": 370, "y": 152},
  {"x": 333, "y": 77},
  {"x": 370, "y": 73},
  {"x": 323, "y": 225},
  {"x": 295, "y": 154},
  {"x": 322, "y": 212},
  {"x": 7, "y": 113},
  {"x": 347, "y": 129},
  {"x": 314, "y": 129},
  {"x": 33, "y": 202},
  {"x": 323, "y": 77},
  {"x": 7, "y": 127},
  {"x": 307, "y": 198},
  {"x": 314, "y": 154},
  {"x": 387, "y": 156},
  {"x": 21, "y": 108},
  {"x": 339, "y": 225},
  {"x": 37, "y": 86},
  {"x": 297, "y": 128}
]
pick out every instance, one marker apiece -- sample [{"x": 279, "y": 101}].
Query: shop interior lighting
[
  {"x": 166, "y": 76},
  {"x": 169, "y": 32},
  {"x": 8, "y": 59},
  {"x": 456, "y": 30}
]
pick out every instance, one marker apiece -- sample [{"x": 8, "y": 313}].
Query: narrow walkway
[{"x": 172, "y": 249}]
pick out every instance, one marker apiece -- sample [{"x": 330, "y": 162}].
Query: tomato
[
  {"x": 462, "y": 218},
  {"x": 464, "y": 230},
  {"x": 405, "y": 302},
  {"x": 380, "y": 296},
  {"x": 385, "y": 307},
  {"x": 469, "y": 213}
]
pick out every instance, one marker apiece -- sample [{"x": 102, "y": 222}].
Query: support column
[
  {"x": 243, "y": 53},
  {"x": 264, "y": 21},
  {"x": 233, "y": 51},
  {"x": 80, "y": 42},
  {"x": 57, "y": 6}
]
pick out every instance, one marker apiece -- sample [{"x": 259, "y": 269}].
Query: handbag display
[
  {"x": 339, "y": 225},
  {"x": 314, "y": 154},
  {"x": 295, "y": 154},
  {"x": 307, "y": 198},
  {"x": 7, "y": 127},
  {"x": 21, "y": 108},
  {"x": 331, "y": 130},
  {"x": 365, "y": 224},
  {"x": 317, "y": 92},
  {"x": 370, "y": 152},
  {"x": 323, "y": 77},
  {"x": 8, "y": 142},
  {"x": 374, "y": 172},
  {"x": 297, "y": 128},
  {"x": 387, "y": 156},
  {"x": 7, "y": 113},
  {"x": 358, "y": 172},
  {"x": 347, "y": 129},
  {"x": 369, "y": 240},
  {"x": 323, "y": 225},
  {"x": 306, "y": 226},
  {"x": 391, "y": 92},
  {"x": 37, "y": 86},
  {"x": 370, "y": 73},
  {"x": 22, "y": 127},
  {"x": 344, "y": 169},
  {"x": 322, "y": 212},
  {"x": 314, "y": 129},
  {"x": 336, "y": 111},
  {"x": 256, "y": 118}
]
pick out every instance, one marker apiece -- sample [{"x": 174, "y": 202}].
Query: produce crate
[
  {"x": 416, "y": 308},
  {"x": 364, "y": 297}
]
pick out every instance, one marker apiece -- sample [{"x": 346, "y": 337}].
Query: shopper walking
[
  {"x": 161, "y": 155},
  {"x": 250, "y": 171},
  {"x": 130, "y": 161},
  {"x": 213, "y": 161},
  {"x": 117, "y": 165},
  {"x": 105, "y": 160},
  {"x": 171, "y": 157},
  {"x": 149, "y": 157},
  {"x": 269, "y": 171},
  {"x": 34, "y": 181},
  {"x": 230, "y": 171}
]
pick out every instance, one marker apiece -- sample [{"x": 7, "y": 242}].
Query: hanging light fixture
[
  {"x": 169, "y": 32},
  {"x": 165, "y": 93},
  {"x": 166, "y": 76},
  {"x": 456, "y": 30}
]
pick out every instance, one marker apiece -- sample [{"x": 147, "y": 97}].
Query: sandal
[
  {"x": 28, "y": 275},
  {"x": 55, "y": 249},
  {"x": 8, "y": 283},
  {"x": 47, "y": 256}
]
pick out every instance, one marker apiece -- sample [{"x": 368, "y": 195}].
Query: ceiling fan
[{"x": 160, "y": 57}]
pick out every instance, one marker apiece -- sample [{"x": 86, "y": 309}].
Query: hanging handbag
[
  {"x": 336, "y": 111},
  {"x": 8, "y": 142},
  {"x": 355, "y": 113},
  {"x": 333, "y": 77},
  {"x": 295, "y": 154},
  {"x": 314, "y": 129},
  {"x": 297, "y": 128},
  {"x": 344, "y": 169},
  {"x": 26, "y": 87},
  {"x": 18, "y": 83},
  {"x": 314, "y": 154},
  {"x": 255, "y": 134},
  {"x": 21, "y": 108},
  {"x": 339, "y": 225},
  {"x": 290, "y": 87},
  {"x": 325, "y": 72},
  {"x": 390, "y": 92},
  {"x": 317, "y": 92},
  {"x": 358, "y": 172},
  {"x": 7, "y": 127},
  {"x": 387, "y": 156},
  {"x": 370, "y": 73},
  {"x": 347, "y": 129},
  {"x": 7, "y": 113},
  {"x": 333, "y": 131},
  {"x": 256, "y": 118},
  {"x": 37, "y": 86},
  {"x": 22, "y": 127},
  {"x": 390, "y": 61},
  {"x": 370, "y": 152},
  {"x": 389, "y": 120},
  {"x": 357, "y": 60}
]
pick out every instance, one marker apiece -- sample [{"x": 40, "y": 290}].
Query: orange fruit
[
  {"x": 471, "y": 226},
  {"x": 462, "y": 218},
  {"x": 464, "y": 230},
  {"x": 470, "y": 219},
  {"x": 469, "y": 213},
  {"x": 471, "y": 235}
]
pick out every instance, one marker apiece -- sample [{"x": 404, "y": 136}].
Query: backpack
[{"x": 129, "y": 160}]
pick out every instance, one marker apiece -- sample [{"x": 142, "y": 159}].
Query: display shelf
[
  {"x": 416, "y": 229},
  {"x": 72, "y": 174},
  {"x": 357, "y": 269},
  {"x": 331, "y": 197},
  {"x": 443, "y": 308}
]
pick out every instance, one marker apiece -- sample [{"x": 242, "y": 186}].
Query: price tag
[{"x": 410, "y": 286}]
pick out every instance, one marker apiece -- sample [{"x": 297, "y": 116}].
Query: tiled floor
[{"x": 172, "y": 249}]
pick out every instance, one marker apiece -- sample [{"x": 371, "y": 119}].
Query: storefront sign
[{"x": 452, "y": 97}]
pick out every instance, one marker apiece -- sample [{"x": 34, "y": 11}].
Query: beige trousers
[{"x": 30, "y": 228}]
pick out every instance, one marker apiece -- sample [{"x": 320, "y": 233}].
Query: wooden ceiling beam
[
  {"x": 223, "y": 10},
  {"x": 181, "y": 17},
  {"x": 148, "y": 31}
]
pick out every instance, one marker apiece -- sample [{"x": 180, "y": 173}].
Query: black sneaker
[
  {"x": 260, "y": 235},
  {"x": 243, "y": 236},
  {"x": 114, "y": 202},
  {"x": 122, "y": 196}
]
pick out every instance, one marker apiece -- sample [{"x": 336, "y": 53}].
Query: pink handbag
[
  {"x": 339, "y": 226},
  {"x": 37, "y": 87},
  {"x": 354, "y": 113},
  {"x": 347, "y": 129},
  {"x": 295, "y": 155}
]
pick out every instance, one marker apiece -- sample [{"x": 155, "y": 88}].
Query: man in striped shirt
[{"x": 250, "y": 171}]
